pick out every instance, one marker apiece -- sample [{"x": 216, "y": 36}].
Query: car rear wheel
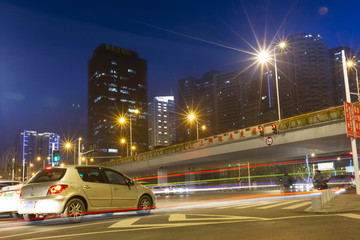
[
  {"x": 74, "y": 209},
  {"x": 145, "y": 205}
]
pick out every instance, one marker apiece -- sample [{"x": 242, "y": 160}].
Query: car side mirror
[{"x": 129, "y": 182}]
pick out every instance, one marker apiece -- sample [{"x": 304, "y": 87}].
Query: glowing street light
[
  {"x": 192, "y": 117},
  {"x": 123, "y": 141},
  {"x": 122, "y": 120},
  {"x": 351, "y": 64},
  {"x": 264, "y": 57}
]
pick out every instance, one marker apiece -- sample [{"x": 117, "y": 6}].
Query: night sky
[{"x": 45, "y": 47}]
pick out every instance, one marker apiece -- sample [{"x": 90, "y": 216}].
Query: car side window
[
  {"x": 115, "y": 177},
  {"x": 91, "y": 175}
]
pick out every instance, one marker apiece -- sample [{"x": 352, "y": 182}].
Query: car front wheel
[
  {"x": 74, "y": 209},
  {"x": 145, "y": 205}
]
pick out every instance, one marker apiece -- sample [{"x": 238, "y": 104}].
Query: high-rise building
[
  {"x": 304, "y": 75},
  {"x": 162, "y": 125},
  {"x": 196, "y": 95},
  {"x": 117, "y": 87},
  {"x": 243, "y": 100},
  {"x": 36, "y": 145},
  {"x": 337, "y": 74}
]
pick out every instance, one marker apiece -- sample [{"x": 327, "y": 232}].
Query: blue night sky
[{"x": 45, "y": 47}]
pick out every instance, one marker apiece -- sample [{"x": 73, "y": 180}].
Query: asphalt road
[{"x": 238, "y": 215}]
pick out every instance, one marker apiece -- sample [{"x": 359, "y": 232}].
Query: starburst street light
[
  {"x": 351, "y": 64},
  {"x": 122, "y": 121},
  {"x": 123, "y": 141},
  {"x": 263, "y": 57},
  {"x": 191, "y": 118}
]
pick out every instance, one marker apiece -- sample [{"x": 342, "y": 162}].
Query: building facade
[
  {"x": 117, "y": 87},
  {"x": 304, "y": 75},
  {"x": 196, "y": 95},
  {"x": 162, "y": 122},
  {"x": 37, "y": 149}
]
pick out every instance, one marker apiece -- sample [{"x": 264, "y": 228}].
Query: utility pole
[{"x": 353, "y": 140}]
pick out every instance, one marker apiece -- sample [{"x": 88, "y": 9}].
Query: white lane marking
[
  {"x": 138, "y": 227},
  {"x": 125, "y": 223},
  {"x": 240, "y": 205},
  {"x": 350, "y": 215},
  {"x": 253, "y": 205},
  {"x": 177, "y": 217},
  {"x": 278, "y": 204},
  {"x": 297, "y": 205}
]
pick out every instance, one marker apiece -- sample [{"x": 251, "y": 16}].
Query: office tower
[
  {"x": 117, "y": 87},
  {"x": 36, "y": 145},
  {"x": 243, "y": 99},
  {"x": 337, "y": 73},
  {"x": 304, "y": 75},
  {"x": 162, "y": 125},
  {"x": 196, "y": 95}
]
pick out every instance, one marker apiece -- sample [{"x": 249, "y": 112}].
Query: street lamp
[
  {"x": 122, "y": 120},
  {"x": 353, "y": 140},
  {"x": 39, "y": 159},
  {"x": 79, "y": 151},
  {"x": 352, "y": 65},
  {"x": 264, "y": 57},
  {"x": 123, "y": 141},
  {"x": 68, "y": 146},
  {"x": 281, "y": 45},
  {"x": 193, "y": 118}
]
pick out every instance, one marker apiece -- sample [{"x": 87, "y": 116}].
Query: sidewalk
[{"x": 347, "y": 201}]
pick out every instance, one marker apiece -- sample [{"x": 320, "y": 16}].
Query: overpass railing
[{"x": 300, "y": 121}]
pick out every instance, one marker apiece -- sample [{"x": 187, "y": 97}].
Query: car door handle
[{"x": 86, "y": 187}]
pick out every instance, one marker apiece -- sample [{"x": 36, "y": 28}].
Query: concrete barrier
[{"x": 319, "y": 201}]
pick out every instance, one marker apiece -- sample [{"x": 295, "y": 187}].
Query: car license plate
[
  {"x": 30, "y": 204},
  {"x": 9, "y": 194}
]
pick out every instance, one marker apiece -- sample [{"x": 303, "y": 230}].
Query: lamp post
[
  {"x": 264, "y": 57},
  {"x": 122, "y": 121},
  {"x": 353, "y": 140},
  {"x": 352, "y": 64},
  {"x": 79, "y": 151},
  {"x": 193, "y": 118},
  {"x": 123, "y": 141},
  {"x": 68, "y": 146},
  {"x": 39, "y": 159},
  {"x": 281, "y": 45}
]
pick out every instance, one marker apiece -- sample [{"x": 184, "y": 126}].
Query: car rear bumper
[{"x": 41, "y": 206}]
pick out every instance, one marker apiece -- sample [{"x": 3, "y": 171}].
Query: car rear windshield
[{"x": 48, "y": 175}]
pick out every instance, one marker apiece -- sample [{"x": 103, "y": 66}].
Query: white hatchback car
[
  {"x": 9, "y": 200},
  {"x": 73, "y": 191}
]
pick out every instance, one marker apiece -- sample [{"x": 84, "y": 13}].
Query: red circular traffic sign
[{"x": 269, "y": 141}]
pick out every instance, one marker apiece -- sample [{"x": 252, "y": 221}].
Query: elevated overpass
[{"x": 322, "y": 132}]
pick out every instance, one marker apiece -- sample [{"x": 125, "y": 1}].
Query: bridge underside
[{"x": 322, "y": 140}]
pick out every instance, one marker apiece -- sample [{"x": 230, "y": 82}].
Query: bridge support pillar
[
  {"x": 162, "y": 175},
  {"x": 189, "y": 177}
]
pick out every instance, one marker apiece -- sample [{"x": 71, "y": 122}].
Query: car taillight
[
  {"x": 18, "y": 192},
  {"x": 55, "y": 189},
  {"x": 0, "y": 194},
  {"x": 351, "y": 179}
]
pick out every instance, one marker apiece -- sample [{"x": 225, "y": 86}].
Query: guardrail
[{"x": 300, "y": 121}]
